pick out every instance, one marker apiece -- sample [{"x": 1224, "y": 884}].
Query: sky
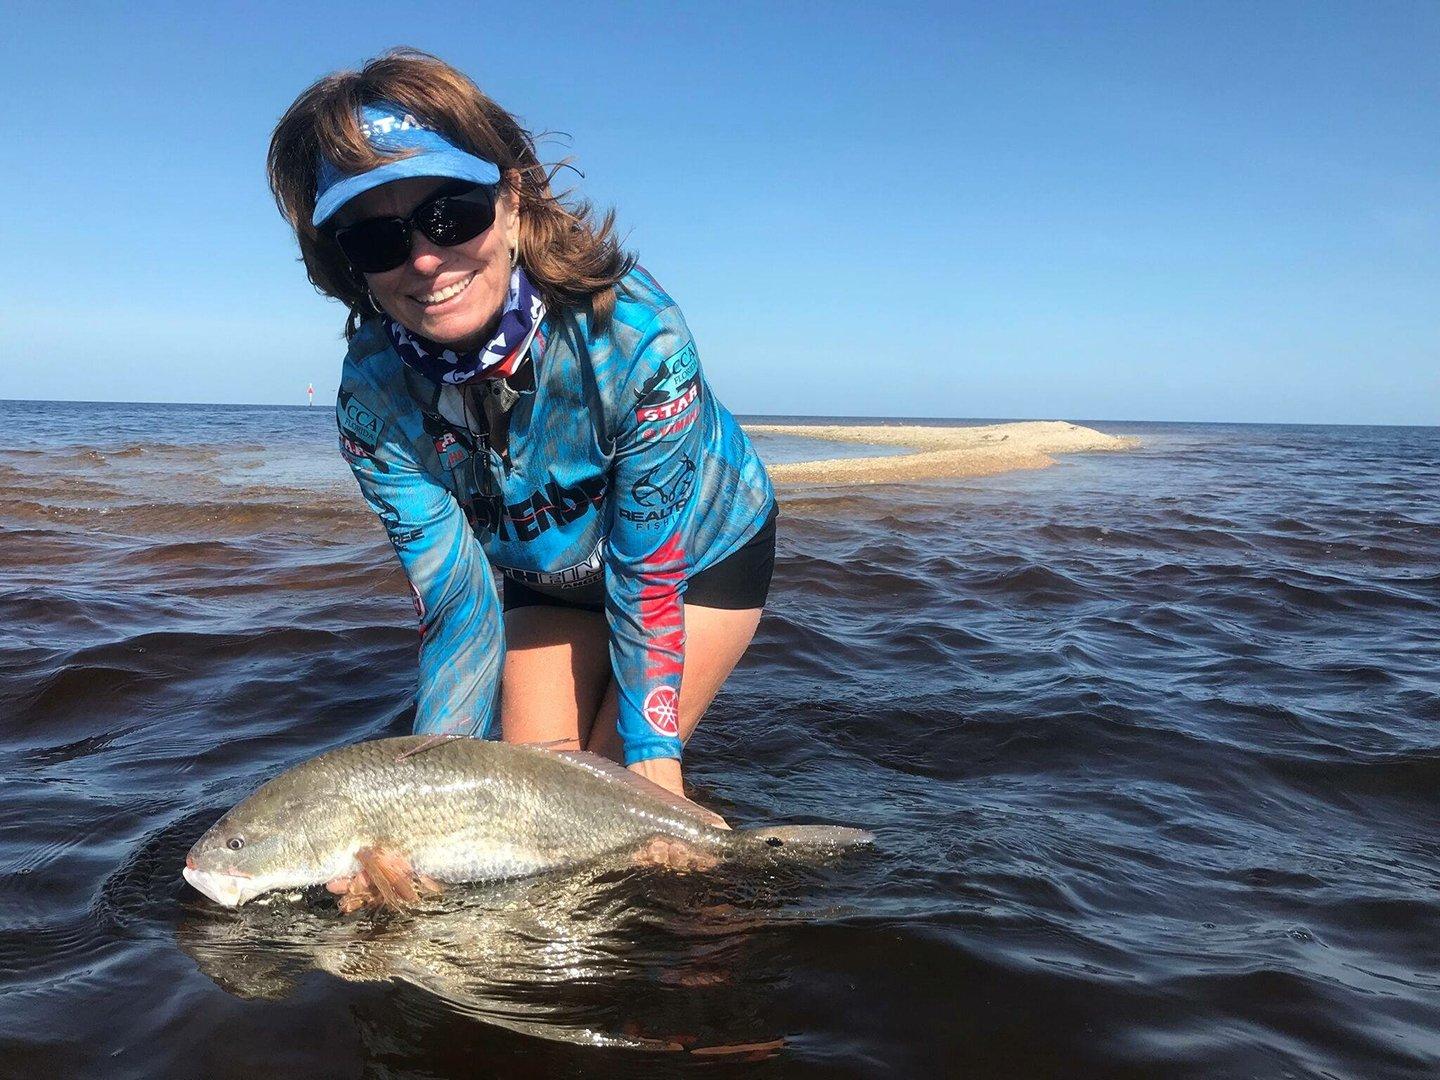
[{"x": 1145, "y": 211}]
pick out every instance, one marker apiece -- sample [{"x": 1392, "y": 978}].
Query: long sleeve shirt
[{"x": 616, "y": 475}]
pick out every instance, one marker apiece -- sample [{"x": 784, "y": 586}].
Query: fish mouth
[{"x": 227, "y": 890}]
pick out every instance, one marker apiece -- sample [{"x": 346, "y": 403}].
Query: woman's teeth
[{"x": 441, "y": 295}]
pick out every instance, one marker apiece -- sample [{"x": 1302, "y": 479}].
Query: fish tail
[{"x": 804, "y": 841}]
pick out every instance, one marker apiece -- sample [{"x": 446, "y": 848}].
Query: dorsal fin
[{"x": 613, "y": 771}]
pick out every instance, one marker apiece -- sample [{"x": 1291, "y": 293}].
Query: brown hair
[{"x": 572, "y": 260}]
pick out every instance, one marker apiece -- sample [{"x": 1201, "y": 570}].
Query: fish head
[{"x": 261, "y": 845}]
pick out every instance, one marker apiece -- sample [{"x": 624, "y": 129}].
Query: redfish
[{"x": 410, "y": 814}]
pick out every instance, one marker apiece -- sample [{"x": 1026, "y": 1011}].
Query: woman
[{"x": 520, "y": 399}]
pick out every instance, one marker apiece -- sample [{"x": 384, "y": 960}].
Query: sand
[{"x": 940, "y": 452}]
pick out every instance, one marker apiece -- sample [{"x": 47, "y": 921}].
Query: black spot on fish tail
[{"x": 801, "y": 841}]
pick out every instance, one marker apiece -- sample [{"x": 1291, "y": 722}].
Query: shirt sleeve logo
[
  {"x": 670, "y": 408},
  {"x": 652, "y": 490},
  {"x": 662, "y": 711},
  {"x": 660, "y": 491},
  {"x": 359, "y": 422},
  {"x": 673, "y": 388}
]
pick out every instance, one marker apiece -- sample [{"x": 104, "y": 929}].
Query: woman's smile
[{"x": 439, "y": 297}]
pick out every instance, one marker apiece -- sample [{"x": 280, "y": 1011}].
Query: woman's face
[{"x": 420, "y": 293}]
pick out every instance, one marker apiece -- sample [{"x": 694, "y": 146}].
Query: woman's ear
[{"x": 510, "y": 198}]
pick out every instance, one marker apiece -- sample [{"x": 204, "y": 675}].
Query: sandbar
[{"x": 939, "y": 452}]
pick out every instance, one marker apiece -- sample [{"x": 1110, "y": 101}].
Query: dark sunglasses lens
[
  {"x": 375, "y": 246},
  {"x": 449, "y": 221}
]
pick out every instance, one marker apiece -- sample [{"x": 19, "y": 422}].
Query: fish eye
[
  {"x": 235, "y": 843},
  {"x": 775, "y": 841}
]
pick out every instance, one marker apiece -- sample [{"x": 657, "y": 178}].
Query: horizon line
[{"x": 800, "y": 416}]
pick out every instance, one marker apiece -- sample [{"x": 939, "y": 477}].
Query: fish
[{"x": 410, "y": 815}]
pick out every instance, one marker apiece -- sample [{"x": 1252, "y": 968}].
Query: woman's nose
[{"x": 425, "y": 258}]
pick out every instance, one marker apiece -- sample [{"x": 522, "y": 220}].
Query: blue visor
[{"x": 390, "y": 129}]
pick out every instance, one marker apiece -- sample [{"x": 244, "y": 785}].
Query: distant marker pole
[{"x": 310, "y": 394}]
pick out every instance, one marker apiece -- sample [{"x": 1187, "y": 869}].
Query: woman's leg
[
  {"x": 557, "y": 665},
  {"x": 557, "y": 688}
]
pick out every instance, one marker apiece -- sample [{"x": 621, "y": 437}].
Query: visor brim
[{"x": 450, "y": 164}]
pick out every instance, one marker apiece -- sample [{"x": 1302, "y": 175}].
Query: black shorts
[{"x": 738, "y": 582}]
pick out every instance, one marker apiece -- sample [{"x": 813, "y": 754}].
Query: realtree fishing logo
[{"x": 662, "y": 498}]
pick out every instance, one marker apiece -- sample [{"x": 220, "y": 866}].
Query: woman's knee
[{"x": 556, "y": 667}]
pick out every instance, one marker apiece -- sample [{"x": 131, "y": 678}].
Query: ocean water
[{"x": 1150, "y": 742}]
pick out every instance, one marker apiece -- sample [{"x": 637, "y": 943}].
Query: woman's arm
[
  {"x": 653, "y": 489},
  {"x": 462, "y": 647}
]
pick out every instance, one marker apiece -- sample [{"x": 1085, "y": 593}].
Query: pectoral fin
[{"x": 386, "y": 880}]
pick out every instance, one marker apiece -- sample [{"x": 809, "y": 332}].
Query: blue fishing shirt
[{"x": 617, "y": 477}]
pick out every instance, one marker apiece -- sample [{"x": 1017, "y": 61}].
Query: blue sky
[{"x": 1169, "y": 211}]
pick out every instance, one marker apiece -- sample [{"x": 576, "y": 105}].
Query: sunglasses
[{"x": 451, "y": 216}]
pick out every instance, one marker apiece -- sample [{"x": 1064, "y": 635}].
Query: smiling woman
[
  {"x": 447, "y": 292},
  {"x": 521, "y": 400}
]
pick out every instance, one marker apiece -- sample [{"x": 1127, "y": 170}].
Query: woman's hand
[{"x": 666, "y": 773}]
